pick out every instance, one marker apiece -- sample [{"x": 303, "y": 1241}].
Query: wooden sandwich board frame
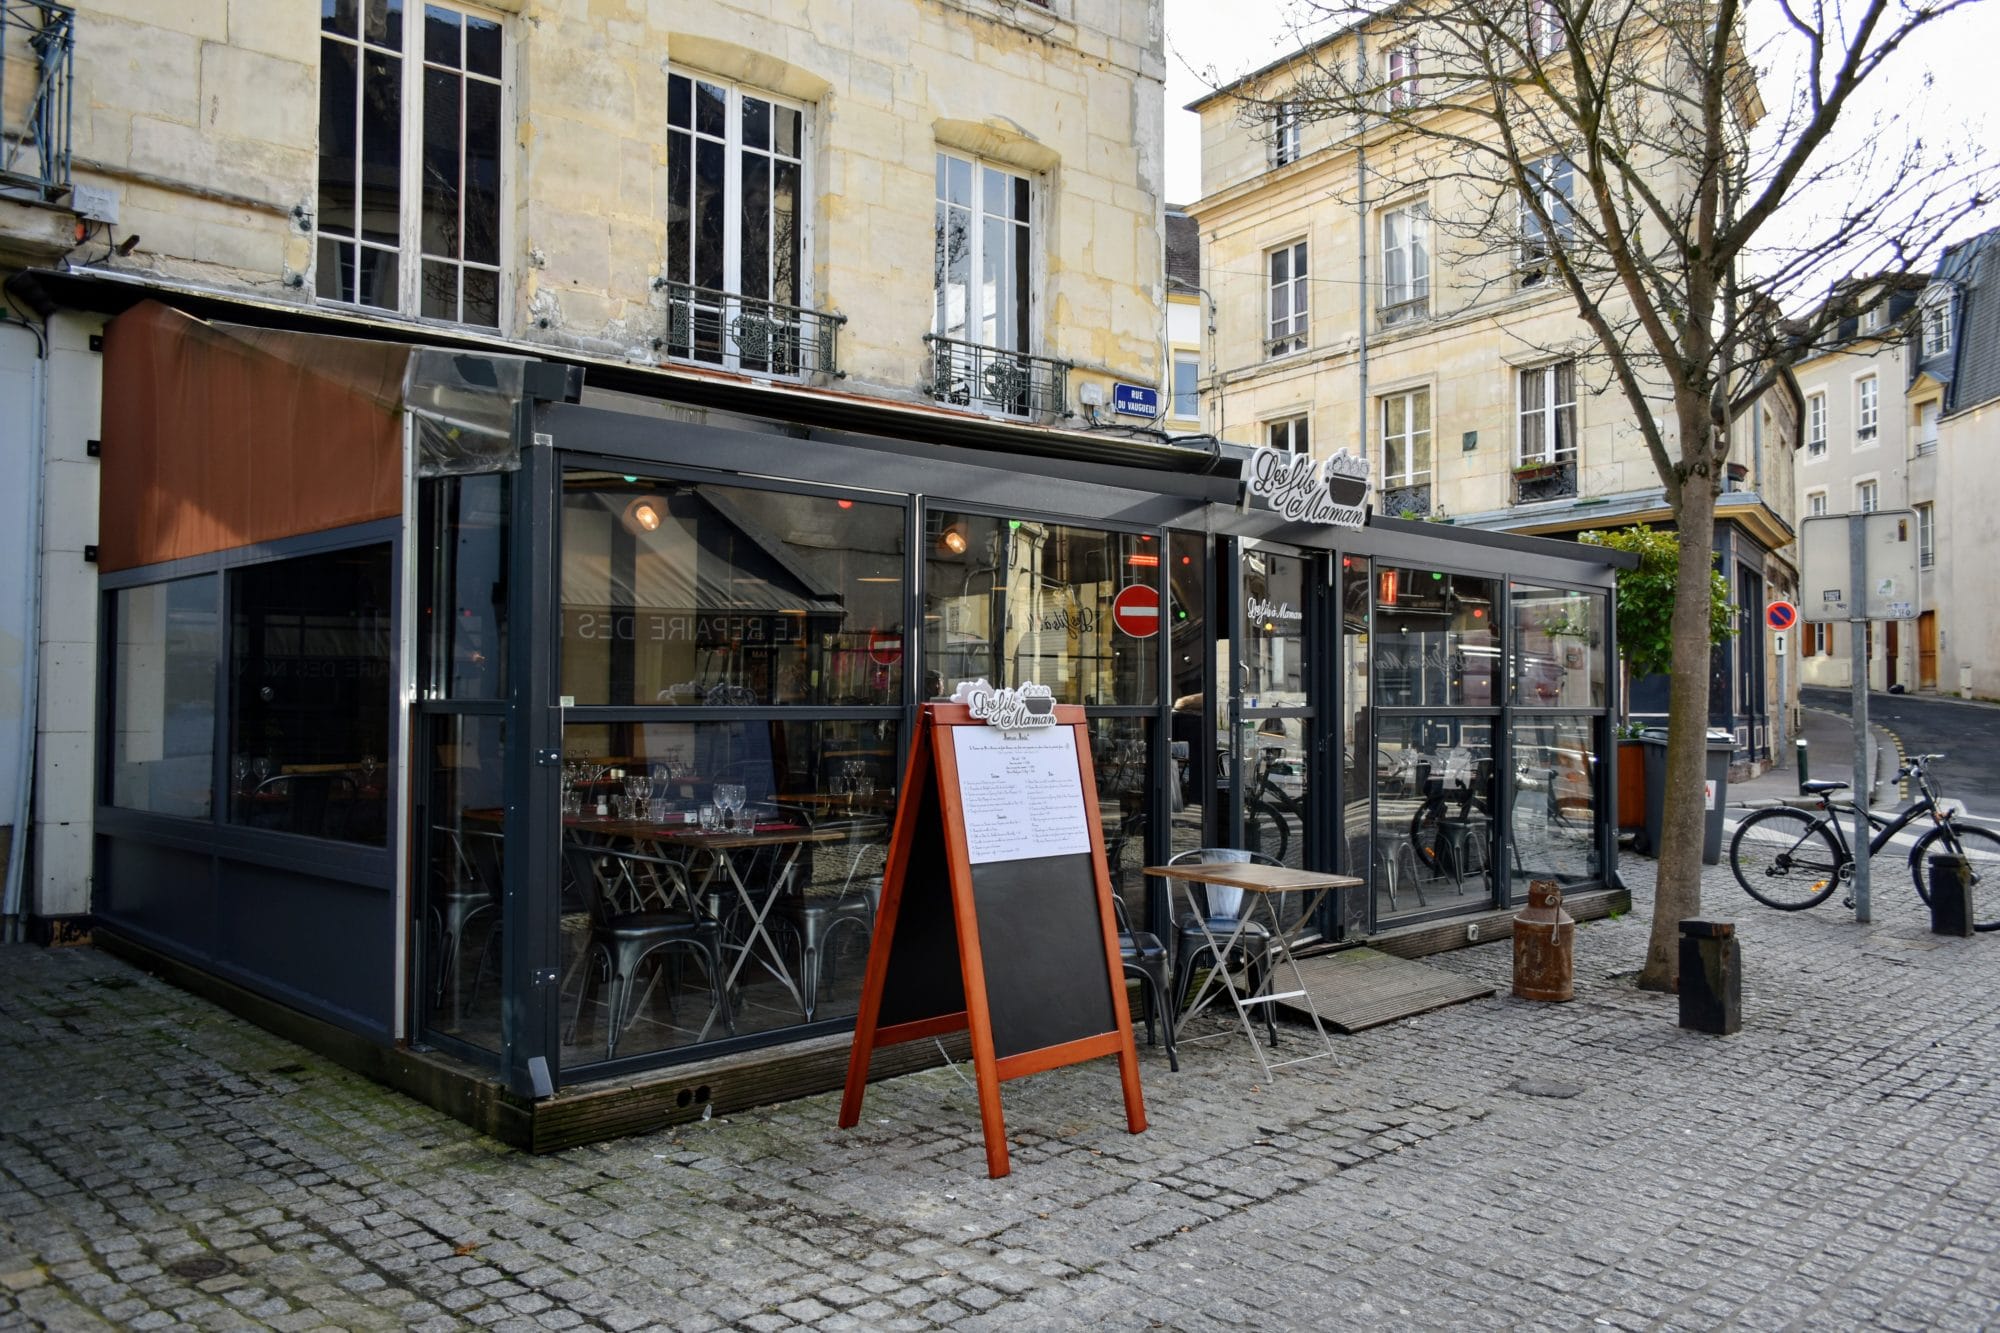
[{"x": 922, "y": 985}]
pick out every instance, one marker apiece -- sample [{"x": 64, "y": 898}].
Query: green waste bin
[{"x": 1720, "y": 746}]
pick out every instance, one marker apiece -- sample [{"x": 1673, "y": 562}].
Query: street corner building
[{"x": 496, "y": 488}]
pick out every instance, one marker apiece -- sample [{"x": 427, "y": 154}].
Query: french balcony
[
  {"x": 37, "y": 43},
  {"x": 1406, "y": 500},
  {"x": 971, "y": 375},
  {"x": 1553, "y": 480},
  {"x": 748, "y": 334}
]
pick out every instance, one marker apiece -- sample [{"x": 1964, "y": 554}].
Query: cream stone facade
[
  {"x": 197, "y": 165},
  {"x": 1433, "y": 339}
]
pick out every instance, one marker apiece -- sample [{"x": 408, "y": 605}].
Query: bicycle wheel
[
  {"x": 1265, "y": 831},
  {"x": 1976, "y": 845},
  {"x": 1784, "y": 858}
]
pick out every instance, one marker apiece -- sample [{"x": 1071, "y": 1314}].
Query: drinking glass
[{"x": 711, "y": 818}]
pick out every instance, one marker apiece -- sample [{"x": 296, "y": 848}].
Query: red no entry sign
[
  {"x": 885, "y": 647},
  {"x": 1781, "y": 615},
  {"x": 1136, "y": 610}
]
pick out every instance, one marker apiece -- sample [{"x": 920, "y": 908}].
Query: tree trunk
[{"x": 1678, "y": 895}]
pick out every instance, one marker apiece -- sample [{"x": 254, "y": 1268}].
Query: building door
[
  {"x": 1894, "y": 657},
  {"x": 1927, "y": 651}
]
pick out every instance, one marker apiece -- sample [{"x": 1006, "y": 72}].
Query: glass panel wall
[
  {"x": 1017, "y": 600},
  {"x": 1120, "y": 757},
  {"x": 463, "y": 640},
  {"x": 1555, "y": 805},
  {"x": 1434, "y": 813},
  {"x": 1437, "y": 640},
  {"x": 681, "y": 595},
  {"x": 1560, "y": 657},
  {"x": 460, "y": 894},
  {"x": 310, "y": 693},
  {"x": 720, "y": 878},
  {"x": 1192, "y": 760},
  {"x": 1360, "y": 848},
  {"x": 163, "y": 697},
  {"x": 1277, "y": 718}
]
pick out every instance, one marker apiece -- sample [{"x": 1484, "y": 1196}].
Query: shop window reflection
[
  {"x": 1436, "y": 641},
  {"x": 1434, "y": 814},
  {"x": 1554, "y": 819},
  {"x": 1560, "y": 657}
]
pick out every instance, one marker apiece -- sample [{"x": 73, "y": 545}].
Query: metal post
[
  {"x": 1805, "y": 775},
  {"x": 1857, "y": 624}
]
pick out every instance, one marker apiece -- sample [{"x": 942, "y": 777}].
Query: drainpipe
[
  {"x": 12, "y": 927},
  {"x": 1361, "y": 223}
]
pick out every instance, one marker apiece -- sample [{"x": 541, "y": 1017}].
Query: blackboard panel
[
  {"x": 925, "y": 979},
  {"x": 1042, "y": 942}
]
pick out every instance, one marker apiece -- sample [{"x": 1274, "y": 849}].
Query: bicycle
[{"x": 1790, "y": 859}]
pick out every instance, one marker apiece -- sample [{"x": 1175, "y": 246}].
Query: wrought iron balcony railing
[
  {"x": 749, "y": 334},
  {"x": 1411, "y": 501},
  {"x": 970, "y": 375},
  {"x": 36, "y": 45},
  {"x": 1535, "y": 482}
]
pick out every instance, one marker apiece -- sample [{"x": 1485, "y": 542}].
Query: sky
[{"x": 1211, "y": 41}]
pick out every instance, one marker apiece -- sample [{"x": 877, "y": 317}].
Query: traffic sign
[
  {"x": 1781, "y": 615},
  {"x": 1136, "y": 610},
  {"x": 885, "y": 647}
]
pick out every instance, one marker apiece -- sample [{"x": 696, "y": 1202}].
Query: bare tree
[{"x": 1622, "y": 153}]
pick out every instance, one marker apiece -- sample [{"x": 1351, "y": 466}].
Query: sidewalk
[
  {"x": 1493, "y": 1165},
  {"x": 1830, "y": 755}
]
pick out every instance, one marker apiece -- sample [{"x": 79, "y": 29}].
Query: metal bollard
[
  {"x": 1804, "y": 774},
  {"x": 1951, "y": 896},
  {"x": 1711, "y": 977},
  {"x": 1544, "y": 945}
]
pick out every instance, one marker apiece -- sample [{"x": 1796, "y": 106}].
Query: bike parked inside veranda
[{"x": 1792, "y": 859}]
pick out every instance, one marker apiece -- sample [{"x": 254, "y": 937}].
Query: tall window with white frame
[
  {"x": 410, "y": 159},
  {"x": 1399, "y": 67},
  {"x": 1548, "y": 416},
  {"x": 1187, "y": 386},
  {"x": 1815, "y": 503},
  {"x": 1815, "y": 426},
  {"x": 1866, "y": 404},
  {"x": 1926, "y": 535},
  {"x": 1864, "y": 497},
  {"x": 735, "y": 186},
  {"x": 1552, "y": 185},
  {"x": 1284, "y": 134},
  {"x": 1290, "y": 435},
  {"x": 1406, "y": 451},
  {"x": 985, "y": 236},
  {"x": 1287, "y": 267},
  {"x": 1406, "y": 264},
  {"x": 1545, "y": 30},
  {"x": 1937, "y": 323},
  {"x": 1927, "y": 426}
]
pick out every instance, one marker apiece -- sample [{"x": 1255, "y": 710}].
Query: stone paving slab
[{"x": 1497, "y": 1164}]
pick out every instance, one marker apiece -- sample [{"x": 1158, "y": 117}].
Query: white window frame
[
  {"x": 1289, "y": 334},
  {"x": 1867, "y": 409},
  {"x": 1927, "y": 425},
  {"x": 1926, "y": 535},
  {"x": 1285, "y": 135},
  {"x": 1815, "y": 425},
  {"x": 720, "y": 316},
  {"x": 1023, "y": 308},
  {"x": 1545, "y": 32},
  {"x": 409, "y": 250},
  {"x": 1821, "y": 636},
  {"x": 1410, "y": 441},
  {"x": 1867, "y": 495},
  {"x": 1185, "y": 358},
  {"x": 1871, "y": 318},
  {"x": 1937, "y": 324},
  {"x": 1815, "y": 503},
  {"x": 1553, "y": 179},
  {"x": 1401, "y": 77},
  {"x": 1293, "y": 434},
  {"x": 1545, "y": 420},
  {"x": 1406, "y": 262}
]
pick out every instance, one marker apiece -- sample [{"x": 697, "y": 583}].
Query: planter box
[{"x": 1631, "y": 785}]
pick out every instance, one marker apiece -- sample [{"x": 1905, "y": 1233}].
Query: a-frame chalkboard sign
[{"x": 996, "y": 910}]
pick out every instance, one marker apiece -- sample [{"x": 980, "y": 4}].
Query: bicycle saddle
[{"x": 1819, "y": 786}]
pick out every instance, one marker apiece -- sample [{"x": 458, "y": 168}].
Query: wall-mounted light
[
  {"x": 644, "y": 514},
  {"x": 953, "y": 540}
]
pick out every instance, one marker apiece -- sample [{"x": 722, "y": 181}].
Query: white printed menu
[{"x": 1022, "y": 794}]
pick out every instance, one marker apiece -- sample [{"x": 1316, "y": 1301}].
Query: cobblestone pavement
[{"x": 1836, "y": 1164}]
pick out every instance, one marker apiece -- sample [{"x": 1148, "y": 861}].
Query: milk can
[{"x": 1544, "y": 945}]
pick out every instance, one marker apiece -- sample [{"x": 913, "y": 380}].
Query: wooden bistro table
[{"x": 1264, "y": 885}]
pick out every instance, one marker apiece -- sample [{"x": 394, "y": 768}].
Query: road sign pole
[{"x": 1857, "y": 624}]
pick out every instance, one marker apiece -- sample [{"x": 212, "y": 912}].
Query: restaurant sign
[
  {"x": 1011, "y": 710},
  {"x": 1304, "y": 489}
]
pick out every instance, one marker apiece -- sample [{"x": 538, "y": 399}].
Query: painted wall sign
[
  {"x": 1274, "y": 611},
  {"x": 1303, "y": 489},
  {"x": 1135, "y": 400}
]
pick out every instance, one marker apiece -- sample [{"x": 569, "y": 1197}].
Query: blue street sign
[{"x": 1134, "y": 401}]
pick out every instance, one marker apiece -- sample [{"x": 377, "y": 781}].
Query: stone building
[{"x": 1372, "y": 294}]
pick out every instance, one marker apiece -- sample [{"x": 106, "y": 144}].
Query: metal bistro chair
[
  {"x": 816, "y": 913},
  {"x": 623, "y": 942},
  {"x": 1252, "y": 950},
  {"x": 1145, "y": 960},
  {"x": 467, "y": 888}
]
